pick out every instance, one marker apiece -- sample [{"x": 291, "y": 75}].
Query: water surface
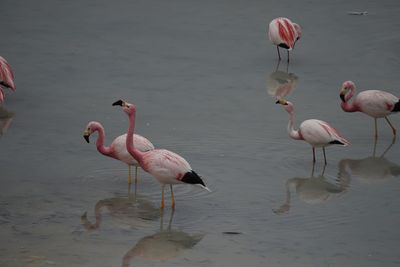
[{"x": 199, "y": 73}]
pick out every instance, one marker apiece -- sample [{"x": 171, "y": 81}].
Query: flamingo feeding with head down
[
  {"x": 6, "y": 77},
  {"x": 117, "y": 149},
  {"x": 284, "y": 33},
  {"x": 315, "y": 132},
  {"x": 374, "y": 103},
  {"x": 166, "y": 166}
]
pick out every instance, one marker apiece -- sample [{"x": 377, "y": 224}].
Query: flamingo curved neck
[
  {"x": 105, "y": 150},
  {"x": 290, "y": 128},
  {"x": 136, "y": 154},
  {"x": 349, "y": 107}
]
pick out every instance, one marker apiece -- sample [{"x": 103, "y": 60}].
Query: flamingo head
[
  {"x": 92, "y": 127},
  {"x": 127, "y": 107},
  {"x": 287, "y": 105},
  {"x": 347, "y": 86},
  {"x": 298, "y": 30}
]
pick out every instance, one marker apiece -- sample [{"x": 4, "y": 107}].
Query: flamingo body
[
  {"x": 315, "y": 132},
  {"x": 6, "y": 77},
  {"x": 374, "y": 103},
  {"x": 120, "y": 152},
  {"x": 282, "y": 32},
  {"x": 166, "y": 166},
  {"x": 320, "y": 134}
]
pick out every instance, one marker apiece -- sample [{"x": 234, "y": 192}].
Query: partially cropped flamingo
[
  {"x": 315, "y": 132},
  {"x": 117, "y": 149},
  {"x": 284, "y": 33},
  {"x": 166, "y": 166},
  {"x": 374, "y": 103},
  {"x": 6, "y": 77}
]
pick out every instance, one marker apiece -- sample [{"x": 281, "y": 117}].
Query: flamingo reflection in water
[
  {"x": 373, "y": 169},
  {"x": 281, "y": 83},
  {"x": 6, "y": 118},
  {"x": 313, "y": 190},
  {"x": 163, "y": 245},
  {"x": 128, "y": 212}
]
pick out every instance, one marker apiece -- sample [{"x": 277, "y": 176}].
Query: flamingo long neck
[
  {"x": 105, "y": 150},
  {"x": 346, "y": 105},
  {"x": 290, "y": 128},
  {"x": 136, "y": 153}
]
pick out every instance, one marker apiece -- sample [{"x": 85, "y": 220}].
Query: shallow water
[{"x": 200, "y": 75}]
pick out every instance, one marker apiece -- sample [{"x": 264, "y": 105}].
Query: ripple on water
[{"x": 148, "y": 187}]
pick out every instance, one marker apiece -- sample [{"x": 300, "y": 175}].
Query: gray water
[{"x": 200, "y": 73}]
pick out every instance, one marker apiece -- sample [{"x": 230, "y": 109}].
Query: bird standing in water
[
  {"x": 6, "y": 77},
  {"x": 284, "y": 33},
  {"x": 374, "y": 103},
  {"x": 315, "y": 132},
  {"x": 117, "y": 149},
  {"x": 166, "y": 166}
]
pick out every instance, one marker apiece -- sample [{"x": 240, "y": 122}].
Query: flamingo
[
  {"x": 284, "y": 33},
  {"x": 166, "y": 166},
  {"x": 117, "y": 149},
  {"x": 315, "y": 132},
  {"x": 374, "y": 103},
  {"x": 6, "y": 77}
]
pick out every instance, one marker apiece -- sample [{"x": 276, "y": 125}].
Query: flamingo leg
[
  {"x": 376, "y": 129},
  {"x": 129, "y": 175},
  {"x": 162, "y": 197},
  {"x": 323, "y": 149},
  {"x": 313, "y": 154},
  {"x": 391, "y": 125},
  {"x": 172, "y": 197},
  {"x": 279, "y": 53},
  {"x": 136, "y": 172},
  {"x": 288, "y": 56}
]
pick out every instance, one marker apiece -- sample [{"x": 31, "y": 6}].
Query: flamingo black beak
[
  {"x": 86, "y": 135},
  {"x": 281, "y": 101},
  {"x": 342, "y": 95},
  {"x": 119, "y": 103}
]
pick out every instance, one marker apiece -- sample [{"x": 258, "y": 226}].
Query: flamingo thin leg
[
  {"x": 323, "y": 149},
  {"x": 313, "y": 154},
  {"x": 162, "y": 197},
  {"x": 136, "y": 172},
  {"x": 279, "y": 53},
  {"x": 129, "y": 175},
  {"x": 391, "y": 125},
  {"x": 172, "y": 197},
  {"x": 376, "y": 129},
  {"x": 288, "y": 56}
]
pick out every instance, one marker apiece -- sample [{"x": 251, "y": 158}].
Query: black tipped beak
[
  {"x": 86, "y": 136},
  {"x": 118, "y": 103},
  {"x": 342, "y": 97},
  {"x": 277, "y": 102}
]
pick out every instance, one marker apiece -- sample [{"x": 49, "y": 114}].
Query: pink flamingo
[
  {"x": 117, "y": 149},
  {"x": 315, "y": 132},
  {"x": 166, "y": 166},
  {"x": 374, "y": 103},
  {"x": 284, "y": 33},
  {"x": 6, "y": 77}
]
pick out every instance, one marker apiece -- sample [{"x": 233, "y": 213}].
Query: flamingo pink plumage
[
  {"x": 117, "y": 149},
  {"x": 374, "y": 103},
  {"x": 6, "y": 77},
  {"x": 166, "y": 166},
  {"x": 284, "y": 33},
  {"x": 315, "y": 132}
]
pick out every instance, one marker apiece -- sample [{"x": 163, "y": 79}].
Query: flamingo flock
[{"x": 171, "y": 169}]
